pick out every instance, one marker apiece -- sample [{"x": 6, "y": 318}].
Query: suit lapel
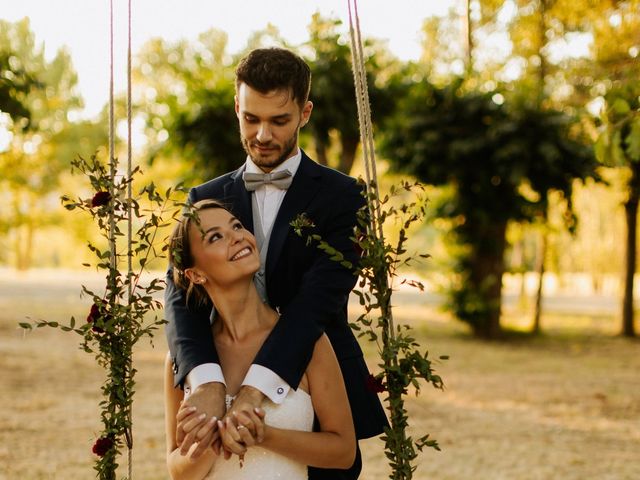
[
  {"x": 303, "y": 188},
  {"x": 240, "y": 199}
]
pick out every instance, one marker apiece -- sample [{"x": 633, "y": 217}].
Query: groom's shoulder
[
  {"x": 333, "y": 178},
  {"x": 213, "y": 188}
]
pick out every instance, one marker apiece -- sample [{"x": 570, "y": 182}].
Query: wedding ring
[{"x": 241, "y": 426}]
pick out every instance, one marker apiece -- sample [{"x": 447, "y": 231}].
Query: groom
[{"x": 277, "y": 183}]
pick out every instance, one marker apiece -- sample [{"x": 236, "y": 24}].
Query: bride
[{"x": 214, "y": 259}]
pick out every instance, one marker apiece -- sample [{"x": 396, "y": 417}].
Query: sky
[{"x": 83, "y": 27}]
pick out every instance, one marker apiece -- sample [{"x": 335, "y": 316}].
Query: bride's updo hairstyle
[{"x": 180, "y": 255}]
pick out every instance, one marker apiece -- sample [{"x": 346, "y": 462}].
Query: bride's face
[{"x": 223, "y": 250}]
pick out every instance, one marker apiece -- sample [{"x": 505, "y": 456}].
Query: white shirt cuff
[
  {"x": 267, "y": 382},
  {"x": 205, "y": 373}
]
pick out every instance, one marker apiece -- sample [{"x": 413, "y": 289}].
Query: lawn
[{"x": 565, "y": 405}]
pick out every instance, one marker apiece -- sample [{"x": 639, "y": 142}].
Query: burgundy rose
[
  {"x": 102, "y": 446},
  {"x": 100, "y": 199},
  {"x": 94, "y": 315},
  {"x": 374, "y": 384}
]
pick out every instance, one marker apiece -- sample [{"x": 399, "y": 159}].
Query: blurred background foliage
[{"x": 522, "y": 119}]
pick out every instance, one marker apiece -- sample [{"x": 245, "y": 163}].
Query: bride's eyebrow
[{"x": 215, "y": 227}]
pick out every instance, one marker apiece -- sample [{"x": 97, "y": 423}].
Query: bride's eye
[
  {"x": 237, "y": 226},
  {"x": 214, "y": 237}
]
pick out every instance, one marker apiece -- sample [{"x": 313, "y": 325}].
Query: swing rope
[
  {"x": 112, "y": 173},
  {"x": 364, "y": 117},
  {"x": 129, "y": 231},
  {"x": 112, "y": 160}
]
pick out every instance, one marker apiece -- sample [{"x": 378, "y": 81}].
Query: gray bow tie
[{"x": 281, "y": 179}]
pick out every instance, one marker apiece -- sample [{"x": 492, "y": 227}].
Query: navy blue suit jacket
[{"x": 308, "y": 288}]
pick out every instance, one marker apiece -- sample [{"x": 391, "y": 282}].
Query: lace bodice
[{"x": 294, "y": 413}]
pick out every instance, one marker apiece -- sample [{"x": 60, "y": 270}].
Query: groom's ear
[{"x": 305, "y": 113}]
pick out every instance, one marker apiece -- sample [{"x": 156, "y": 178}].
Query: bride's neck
[{"x": 240, "y": 312}]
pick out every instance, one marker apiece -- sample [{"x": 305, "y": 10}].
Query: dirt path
[{"x": 566, "y": 406}]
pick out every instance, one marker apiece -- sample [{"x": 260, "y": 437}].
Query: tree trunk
[
  {"x": 487, "y": 268},
  {"x": 347, "y": 153},
  {"x": 631, "y": 213},
  {"x": 540, "y": 267}
]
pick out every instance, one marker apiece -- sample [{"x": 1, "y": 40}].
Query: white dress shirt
[{"x": 268, "y": 198}]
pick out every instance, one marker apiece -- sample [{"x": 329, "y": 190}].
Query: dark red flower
[
  {"x": 374, "y": 384},
  {"x": 100, "y": 199},
  {"x": 102, "y": 446},
  {"x": 94, "y": 315}
]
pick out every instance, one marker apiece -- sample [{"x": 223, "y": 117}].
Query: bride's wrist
[{"x": 268, "y": 436}]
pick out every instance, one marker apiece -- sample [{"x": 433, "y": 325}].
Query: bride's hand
[
  {"x": 239, "y": 431},
  {"x": 208, "y": 399},
  {"x": 250, "y": 425},
  {"x": 247, "y": 400},
  {"x": 192, "y": 421}
]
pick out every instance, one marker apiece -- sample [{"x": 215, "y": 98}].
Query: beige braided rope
[
  {"x": 129, "y": 226},
  {"x": 364, "y": 117},
  {"x": 366, "y": 135},
  {"x": 112, "y": 174}
]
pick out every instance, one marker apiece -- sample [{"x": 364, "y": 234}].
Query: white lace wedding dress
[{"x": 294, "y": 413}]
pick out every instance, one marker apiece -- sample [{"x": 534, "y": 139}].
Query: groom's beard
[{"x": 285, "y": 151}]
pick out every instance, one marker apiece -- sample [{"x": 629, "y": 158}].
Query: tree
[
  {"x": 498, "y": 162},
  {"x": 15, "y": 85},
  {"x": 185, "y": 93},
  {"x": 332, "y": 89},
  {"x": 615, "y": 50},
  {"x": 36, "y": 157},
  {"x": 619, "y": 146}
]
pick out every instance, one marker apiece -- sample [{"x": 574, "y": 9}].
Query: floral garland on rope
[
  {"x": 402, "y": 364},
  {"x": 118, "y": 317}
]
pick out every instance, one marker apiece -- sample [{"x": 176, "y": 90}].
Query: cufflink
[
  {"x": 174, "y": 366},
  {"x": 280, "y": 390}
]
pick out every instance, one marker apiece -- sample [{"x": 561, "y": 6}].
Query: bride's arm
[
  {"x": 181, "y": 467},
  {"x": 334, "y": 446}
]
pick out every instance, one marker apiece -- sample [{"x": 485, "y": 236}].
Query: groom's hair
[
  {"x": 269, "y": 69},
  {"x": 180, "y": 254}
]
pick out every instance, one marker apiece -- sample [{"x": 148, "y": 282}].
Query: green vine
[
  {"x": 118, "y": 317},
  {"x": 402, "y": 364}
]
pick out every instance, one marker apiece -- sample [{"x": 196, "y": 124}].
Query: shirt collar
[{"x": 291, "y": 164}]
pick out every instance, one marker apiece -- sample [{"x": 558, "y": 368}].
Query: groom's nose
[{"x": 264, "y": 133}]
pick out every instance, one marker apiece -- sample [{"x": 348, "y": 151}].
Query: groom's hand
[
  {"x": 207, "y": 399},
  {"x": 247, "y": 401}
]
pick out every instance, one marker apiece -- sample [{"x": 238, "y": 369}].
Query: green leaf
[
  {"x": 620, "y": 106},
  {"x": 633, "y": 140}
]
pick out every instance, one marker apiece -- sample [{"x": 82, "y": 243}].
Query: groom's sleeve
[
  {"x": 189, "y": 338},
  {"x": 188, "y": 330},
  {"x": 321, "y": 297}
]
